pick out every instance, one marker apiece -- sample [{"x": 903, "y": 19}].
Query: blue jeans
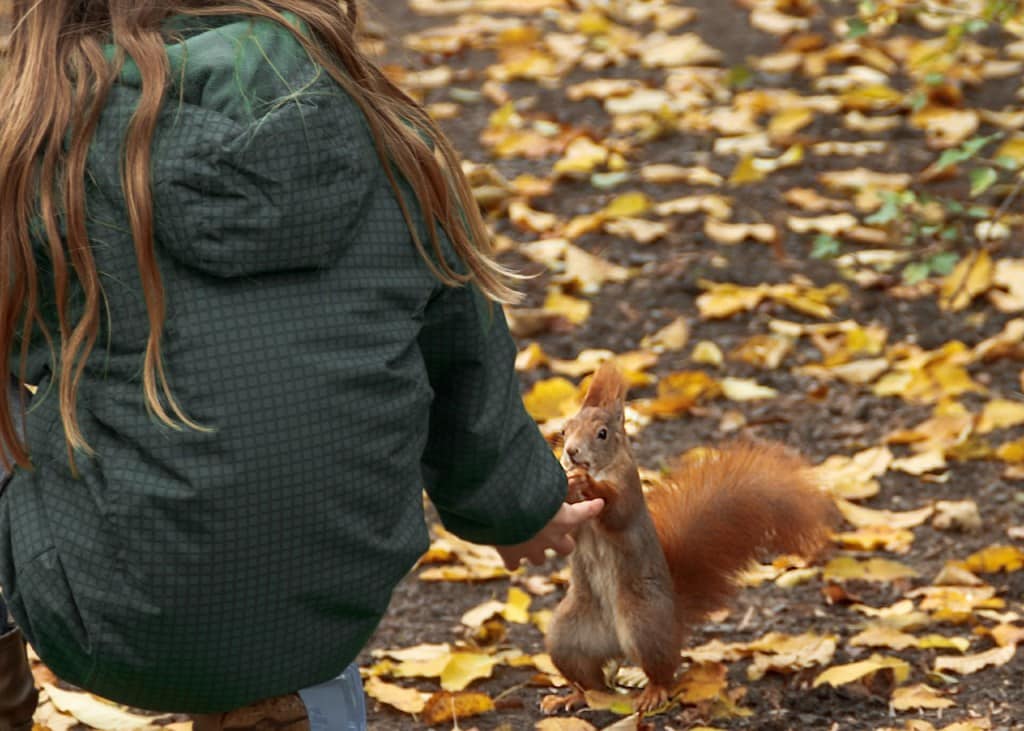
[{"x": 337, "y": 705}]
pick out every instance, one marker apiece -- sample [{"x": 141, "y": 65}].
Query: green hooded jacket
[{"x": 198, "y": 571}]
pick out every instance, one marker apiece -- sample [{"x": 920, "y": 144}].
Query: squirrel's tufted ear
[{"x": 607, "y": 389}]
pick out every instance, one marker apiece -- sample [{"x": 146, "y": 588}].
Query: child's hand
[{"x": 557, "y": 534}]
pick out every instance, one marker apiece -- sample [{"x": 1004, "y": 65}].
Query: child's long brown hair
[{"x": 55, "y": 79}]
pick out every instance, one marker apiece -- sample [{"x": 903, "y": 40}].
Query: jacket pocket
[
  {"x": 39, "y": 595},
  {"x": 45, "y": 608}
]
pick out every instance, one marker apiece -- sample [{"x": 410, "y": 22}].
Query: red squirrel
[{"x": 649, "y": 567}]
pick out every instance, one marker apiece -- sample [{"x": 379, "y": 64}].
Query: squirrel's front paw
[{"x": 579, "y": 484}]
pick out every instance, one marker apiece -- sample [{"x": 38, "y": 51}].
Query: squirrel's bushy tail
[{"x": 718, "y": 513}]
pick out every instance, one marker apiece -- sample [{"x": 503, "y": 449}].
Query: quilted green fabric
[{"x": 198, "y": 571}]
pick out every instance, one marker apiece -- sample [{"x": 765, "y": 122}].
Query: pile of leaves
[{"x": 782, "y": 219}]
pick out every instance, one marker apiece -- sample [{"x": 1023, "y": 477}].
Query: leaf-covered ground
[{"x": 785, "y": 219}]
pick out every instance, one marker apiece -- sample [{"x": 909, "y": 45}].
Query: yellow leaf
[
  {"x": 862, "y": 517},
  {"x": 1007, "y": 634},
  {"x": 1012, "y": 149},
  {"x": 531, "y": 357},
  {"x": 810, "y": 300},
  {"x": 1000, "y": 414},
  {"x": 788, "y": 122},
  {"x": 944, "y": 126},
  {"x": 1009, "y": 275},
  {"x": 666, "y": 173},
  {"x": 573, "y": 309},
  {"x": 918, "y": 696},
  {"x": 552, "y": 398},
  {"x": 853, "y": 477},
  {"x": 669, "y": 338},
  {"x": 972, "y": 276},
  {"x": 93, "y": 712},
  {"x": 902, "y": 615},
  {"x": 843, "y": 674},
  {"x": 882, "y": 635},
  {"x": 517, "y": 608},
  {"x": 707, "y": 353},
  {"x": 479, "y": 614},
  {"x": 417, "y": 653},
  {"x": 431, "y": 668},
  {"x": 568, "y": 723},
  {"x": 688, "y": 49},
  {"x": 859, "y": 179},
  {"x": 920, "y": 463},
  {"x": 586, "y": 362},
  {"x": 941, "y": 642},
  {"x": 443, "y": 706},
  {"x": 957, "y": 604},
  {"x": 872, "y": 97},
  {"x": 726, "y": 232},
  {"x": 588, "y": 271},
  {"x": 680, "y": 391},
  {"x": 1012, "y": 452},
  {"x": 724, "y": 299},
  {"x": 996, "y": 558},
  {"x": 715, "y": 206},
  {"x": 968, "y": 664},
  {"x": 407, "y": 700},
  {"x": 628, "y": 204},
  {"x": 873, "y": 569},
  {"x": 780, "y": 653},
  {"x": 465, "y": 667},
  {"x": 746, "y": 171},
  {"x": 877, "y": 537},
  {"x": 639, "y": 230},
  {"x": 549, "y": 252},
  {"x": 702, "y": 682},
  {"x": 581, "y": 157},
  {"x": 520, "y": 213},
  {"x": 833, "y": 225},
  {"x": 763, "y": 351},
  {"x": 745, "y": 389}
]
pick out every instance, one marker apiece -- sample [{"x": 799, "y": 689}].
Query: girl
[{"x": 254, "y": 293}]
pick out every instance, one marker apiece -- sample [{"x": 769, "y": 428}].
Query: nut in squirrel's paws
[{"x": 579, "y": 484}]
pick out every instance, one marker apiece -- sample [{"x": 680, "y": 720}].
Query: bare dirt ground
[{"x": 838, "y": 419}]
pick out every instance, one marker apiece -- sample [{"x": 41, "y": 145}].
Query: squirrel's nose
[{"x": 572, "y": 452}]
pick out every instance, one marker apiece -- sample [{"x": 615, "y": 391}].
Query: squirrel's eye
[{"x": 602, "y": 433}]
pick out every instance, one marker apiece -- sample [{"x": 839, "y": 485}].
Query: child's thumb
[{"x": 586, "y": 509}]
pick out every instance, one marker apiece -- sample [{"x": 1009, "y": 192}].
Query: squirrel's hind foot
[
  {"x": 651, "y": 698},
  {"x": 551, "y": 704}
]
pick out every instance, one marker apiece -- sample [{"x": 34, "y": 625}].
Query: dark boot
[{"x": 18, "y": 694}]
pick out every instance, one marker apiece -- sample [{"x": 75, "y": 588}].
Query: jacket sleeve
[{"x": 488, "y": 470}]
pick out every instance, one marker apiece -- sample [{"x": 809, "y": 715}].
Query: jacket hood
[{"x": 256, "y": 148}]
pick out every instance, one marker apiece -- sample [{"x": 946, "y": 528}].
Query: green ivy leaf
[
  {"x": 855, "y": 28},
  {"x": 974, "y": 145},
  {"x": 982, "y": 179},
  {"x": 825, "y": 247},
  {"x": 943, "y": 263},
  {"x": 739, "y": 77},
  {"x": 915, "y": 272},
  {"x": 949, "y": 158},
  {"x": 889, "y": 211}
]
